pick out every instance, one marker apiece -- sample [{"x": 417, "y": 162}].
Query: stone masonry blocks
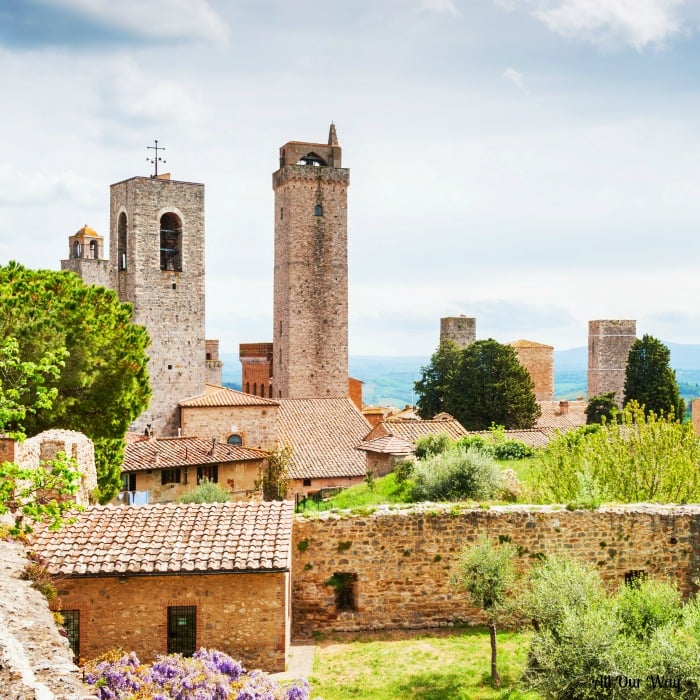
[
  {"x": 609, "y": 343},
  {"x": 459, "y": 329}
]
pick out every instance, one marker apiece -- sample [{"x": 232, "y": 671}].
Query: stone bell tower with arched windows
[
  {"x": 157, "y": 264},
  {"x": 310, "y": 333}
]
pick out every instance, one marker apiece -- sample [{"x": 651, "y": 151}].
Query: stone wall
[
  {"x": 609, "y": 345},
  {"x": 257, "y": 425},
  {"x": 310, "y": 320},
  {"x": 402, "y": 558},
  {"x": 169, "y": 303},
  {"x": 461, "y": 330},
  {"x": 89, "y": 270},
  {"x": 538, "y": 360},
  {"x": 243, "y": 615}
]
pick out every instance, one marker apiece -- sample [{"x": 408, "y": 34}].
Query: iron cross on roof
[{"x": 156, "y": 158}]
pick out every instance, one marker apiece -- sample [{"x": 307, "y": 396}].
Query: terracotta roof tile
[
  {"x": 323, "y": 434},
  {"x": 554, "y": 417},
  {"x": 164, "y": 453},
  {"x": 222, "y": 396},
  {"x": 413, "y": 429},
  {"x": 387, "y": 444},
  {"x": 170, "y": 538}
]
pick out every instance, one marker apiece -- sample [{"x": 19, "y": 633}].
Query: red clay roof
[
  {"x": 170, "y": 538},
  {"x": 223, "y": 396},
  {"x": 323, "y": 434},
  {"x": 387, "y": 444},
  {"x": 165, "y": 453},
  {"x": 553, "y": 416},
  {"x": 411, "y": 430}
]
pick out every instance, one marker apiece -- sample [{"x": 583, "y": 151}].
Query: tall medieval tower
[
  {"x": 609, "y": 343},
  {"x": 310, "y": 332},
  {"x": 157, "y": 264}
]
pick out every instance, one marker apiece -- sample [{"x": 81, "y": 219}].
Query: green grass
[{"x": 447, "y": 665}]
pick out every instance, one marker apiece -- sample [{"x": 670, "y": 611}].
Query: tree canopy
[
  {"x": 601, "y": 408},
  {"x": 436, "y": 379},
  {"x": 649, "y": 379},
  {"x": 102, "y": 383}
]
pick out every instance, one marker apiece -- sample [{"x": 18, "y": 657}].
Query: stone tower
[
  {"x": 310, "y": 320},
  {"x": 459, "y": 329},
  {"x": 538, "y": 360},
  {"x": 86, "y": 257},
  {"x": 609, "y": 345},
  {"x": 157, "y": 256}
]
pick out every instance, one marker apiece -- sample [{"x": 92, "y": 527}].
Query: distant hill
[{"x": 388, "y": 381}]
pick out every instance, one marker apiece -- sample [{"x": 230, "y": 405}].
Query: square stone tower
[
  {"x": 310, "y": 320},
  {"x": 609, "y": 343},
  {"x": 157, "y": 264}
]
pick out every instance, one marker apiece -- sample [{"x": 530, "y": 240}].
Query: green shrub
[
  {"x": 454, "y": 475},
  {"x": 429, "y": 445},
  {"x": 511, "y": 449},
  {"x": 403, "y": 470},
  {"x": 647, "y": 605},
  {"x": 206, "y": 492}
]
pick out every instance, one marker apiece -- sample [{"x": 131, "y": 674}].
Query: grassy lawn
[{"x": 446, "y": 664}]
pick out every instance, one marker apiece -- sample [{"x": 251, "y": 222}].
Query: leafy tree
[
  {"x": 433, "y": 444},
  {"x": 491, "y": 386},
  {"x": 102, "y": 385},
  {"x": 436, "y": 379},
  {"x": 649, "y": 379},
  {"x": 40, "y": 494},
  {"x": 206, "y": 492},
  {"x": 275, "y": 478},
  {"x": 601, "y": 408},
  {"x": 487, "y": 573},
  {"x": 638, "y": 458}
]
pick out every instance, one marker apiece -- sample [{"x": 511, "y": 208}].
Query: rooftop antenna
[{"x": 156, "y": 158}]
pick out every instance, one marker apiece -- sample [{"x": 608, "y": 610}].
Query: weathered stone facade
[
  {"x": 538, "y": 360},
  {"x": 157, "y": 254},
  {"x": 310, "y": 324},
  {"x": 459, "y": 329},
  {"x": 609, "y": 344},
  {"x": 213, "y": 364},
  {"x": 86, "y": 257},
  {"x": 402, "y": 558},
  {"x": 244, "y": 615}
]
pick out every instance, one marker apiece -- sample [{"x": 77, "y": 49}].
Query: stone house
[
  {"x": 322, "y": 433},
  {"x": 173, "y": 577},
  {"x": 160, "y": 470},
  {"x": 382, "y": 453}
]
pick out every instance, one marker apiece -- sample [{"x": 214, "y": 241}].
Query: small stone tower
[
  {"x": 459, "y": 329},
  {"x": 86, "y": 257},
  {"x": 538, "y": 360},
  {"x": 609, "y": 345},
  {"x": 157, "y": 255},
  {"x": 310, "y": 320}
]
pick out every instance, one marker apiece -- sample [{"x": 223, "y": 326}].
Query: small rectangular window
[
  {"x": 169, "y": 476},
  {"x": 210, "y": 472},
  {"x": 307, "y": 482},
  {"x": 182, "y": 629},
  {"x": 71, "y": 624},
  {"x": 129, "y": 482}
]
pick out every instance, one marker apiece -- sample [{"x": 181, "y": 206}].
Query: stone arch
[
  {"x": 170, "y": 242},
  {"x": 121, "y": 240}
]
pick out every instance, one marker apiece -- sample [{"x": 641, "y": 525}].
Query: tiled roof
[
  {"x": 387, "y": 444},
  {"x": 164, "y": 453},
  {"x": 411, "y": 430},
  {"x": 170, "y": 538},
  {"x": 529, "y": 344},
  {"x": 323, "y": 434},
  {"x": 554, "y": 417},
  {"x": 222, "y": 396}
]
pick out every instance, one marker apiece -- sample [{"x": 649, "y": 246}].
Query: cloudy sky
[{"x": 532, "y": 163}]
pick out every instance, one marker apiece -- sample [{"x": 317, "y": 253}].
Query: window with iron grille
[
  {"x": 71, "y": 624},
  {"x": 182, "y": 629},
  {"x": 210, "y": 472}
]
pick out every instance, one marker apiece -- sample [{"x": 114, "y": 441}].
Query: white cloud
[
  {"x": 610, "y": 23},
  {"x": 162, "y": 19},
  {"x": 440, "y": 6},
  {"x": 516, "y": 78}
]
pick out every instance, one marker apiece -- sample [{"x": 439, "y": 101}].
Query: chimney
[{"x": 563, "y": 408}]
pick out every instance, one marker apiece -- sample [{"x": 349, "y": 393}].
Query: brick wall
[
  {"x": 244, "y": 615},
  {"x": 256, "y": 424},
  {"x": 402, "y": 558}
]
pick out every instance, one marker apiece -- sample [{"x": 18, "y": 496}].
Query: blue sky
[{"x": 532, "y": 163}]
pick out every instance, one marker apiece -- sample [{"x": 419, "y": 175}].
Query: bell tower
[
  {"x": 157, "y": 264},
  {"x": 310, "y": 320}
]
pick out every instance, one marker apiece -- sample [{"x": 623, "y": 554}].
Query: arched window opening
[
  {"x": 312, "y": 159},
  {"x": 318, "y": 210},
  {"x": 262, "y": 390},
  {"x": 234, "y": 439},
  {"x": 77, "y": 249},
  {"x": 93, "y": 250},
  {"x": 170, "y": 242},
  {"x": 255, "y": 389},
  {"x": 247, "y": 387},
  {"x": 121, "y": 242}
]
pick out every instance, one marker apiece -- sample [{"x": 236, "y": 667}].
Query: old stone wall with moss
[{"x": 390, "y": 568}]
